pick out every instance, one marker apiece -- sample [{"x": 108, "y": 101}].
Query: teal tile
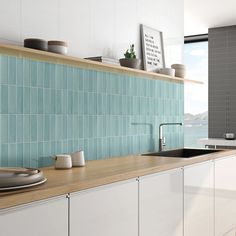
[
  {"x": 4, "y": 129},
  {"x": 12, "y": 129},
  {"x": 26, "y": 128},
  {"x": 86, "y": 103},
  {"x": 26, "y": 155},
  {"x": 65, "y": 125},
  {"x": 75, "y": 103},
  {"x": 4, "y": 154},
  {"x": 58, "y": 101},
  {"x": 59, "y": 77},
  {"x": 19, "y": 100},
  {"x": 64, "y": 77},
  {"x": 81, "y": 103},
  {"x": 19, "y": 129},
  {"x": 19, "y": 72},
  {"x": 4, "y": 70},
  {"x": 40, "y": 154},
  {"x": 70, "y": 102},
  {"x": 92, "y": 104},
  {"x": 52, "y": 77},
  {"x": 4, "y": 99},
  {"x": 12, "y": 70},
  {"x": 59, "y": 127},
  {"x": 33, "y": 100},
  {"x": 34, "y": 155},
  {"x": 69, "y": 78},
  {"x": 46, "y": 83},
  {"x": 40, "y": 101},
  {"x": 12, "y": 159},
  {"x": 58, "y": 147},
  {"x": 65, "y": 146},
  {"x": 33, "y": 73},
  {"x": 70, "y": 127},
  {"x": 75, "y": 79},
  {"x": 12, "y": 99},
  {"x": 26, "y": 72},
  {"x": 99, "y": 105},
  {"x": 53, "y": 101},
  {"x": 40, "y": 74},
  {"x": 65, "y": 102},
  {"x": 33, "y": 128},
  {"x": 76, "y": 145},
  {"x": 75, "y": 127},
  {"x": 100, "y": 126},
  {"x": 81, "y": 78},
  {"x": 81, "y": 126},
  {"x": 47, "y": 101},
  {"x": 46, "y": 128},
  {"x": 40, "y": 125},
  {"x": 99, "y": 82},
  {"x": 19, "y": 156},
  {"x": 26, "y": 100}
]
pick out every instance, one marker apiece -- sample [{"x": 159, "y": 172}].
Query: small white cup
[
  {"x": 78, "y": 158},
  {"x": 63, "y": 161}
]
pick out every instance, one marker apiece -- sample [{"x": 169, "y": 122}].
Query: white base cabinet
[
  {"x": 110, "y": 210},
  {"x": 161, "y": 204},
  {"x": 47, "y": 218},
  {"x": 199, "y": 199},
  {"x": 225, "y": 195}
]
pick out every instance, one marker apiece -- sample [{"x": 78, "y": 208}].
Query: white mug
[
  {"x": 229, "y": 136},
  {"x": 78, "y": 158},
  {"x": 63, "y": 161}
]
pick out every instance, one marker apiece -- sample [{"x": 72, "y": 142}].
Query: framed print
[{"x": 152, "y": 49}]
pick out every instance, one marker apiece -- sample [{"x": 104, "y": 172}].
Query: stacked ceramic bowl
[
  {"x": 55, "y": 46},
  {"x": 167, "y": 71},
  {"x": 180, "y": 70}
]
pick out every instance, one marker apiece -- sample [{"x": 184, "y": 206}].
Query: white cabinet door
[
  {"x": 110, "y": 210},
  {"x": 45, "y": 218},
  {"x": 225, "y": 195},
  {"x": 199, "y": 199},
  {"x": 161, "y": 204}
]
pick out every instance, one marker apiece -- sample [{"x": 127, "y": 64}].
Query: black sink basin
[{"x": 182, "y": 153}]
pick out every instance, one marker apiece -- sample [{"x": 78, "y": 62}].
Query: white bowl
[
  {"x": 167, "y": 71},
  {"x": 178, "y": 66},
  {"x": 59, "y": 47}
]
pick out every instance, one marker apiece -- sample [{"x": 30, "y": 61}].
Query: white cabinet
[
  {"x": 225, "y": 195},
  {"x": 110, "y": 210},
  {"x": 199, "y": 199},
  {"x": 47, "y": 218},
  {"x": 161, "y": 204}
]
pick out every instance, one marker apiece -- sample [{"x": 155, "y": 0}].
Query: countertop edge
[{"x": 21, "y": 197}]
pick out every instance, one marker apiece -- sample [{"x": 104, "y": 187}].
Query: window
[{"x": 196, "y": 96}]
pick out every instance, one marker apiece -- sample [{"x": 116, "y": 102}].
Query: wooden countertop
[{"x": 97, "y": 173}]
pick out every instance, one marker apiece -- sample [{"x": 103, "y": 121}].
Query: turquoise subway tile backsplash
[{"x": 47, "y": 108}]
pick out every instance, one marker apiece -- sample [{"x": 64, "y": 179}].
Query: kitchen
[{"x": 55, "y": 104}]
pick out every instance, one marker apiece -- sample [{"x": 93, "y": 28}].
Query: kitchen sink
[{"x": 182, "y": 153}]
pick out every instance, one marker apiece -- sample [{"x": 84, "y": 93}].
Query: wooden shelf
[{"x": 83, "y": 63}]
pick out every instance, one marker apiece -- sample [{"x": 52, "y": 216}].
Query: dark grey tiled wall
[{"x": 222, "y": 81}]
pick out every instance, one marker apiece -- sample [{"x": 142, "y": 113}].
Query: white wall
[
  {"x": 94, "y": 27},
  {"x": 201, "y": 15}
]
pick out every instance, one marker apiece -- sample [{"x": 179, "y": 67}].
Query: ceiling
[{"x": 199, "y": 15}]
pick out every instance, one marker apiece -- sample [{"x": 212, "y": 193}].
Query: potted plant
[{"x": 130, "y": 59}]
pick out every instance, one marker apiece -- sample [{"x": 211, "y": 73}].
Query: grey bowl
[
  {"x": 131, "y": 63},
  {"x": 35, "y": 43},
  {"x": 13, "y": 179}
]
